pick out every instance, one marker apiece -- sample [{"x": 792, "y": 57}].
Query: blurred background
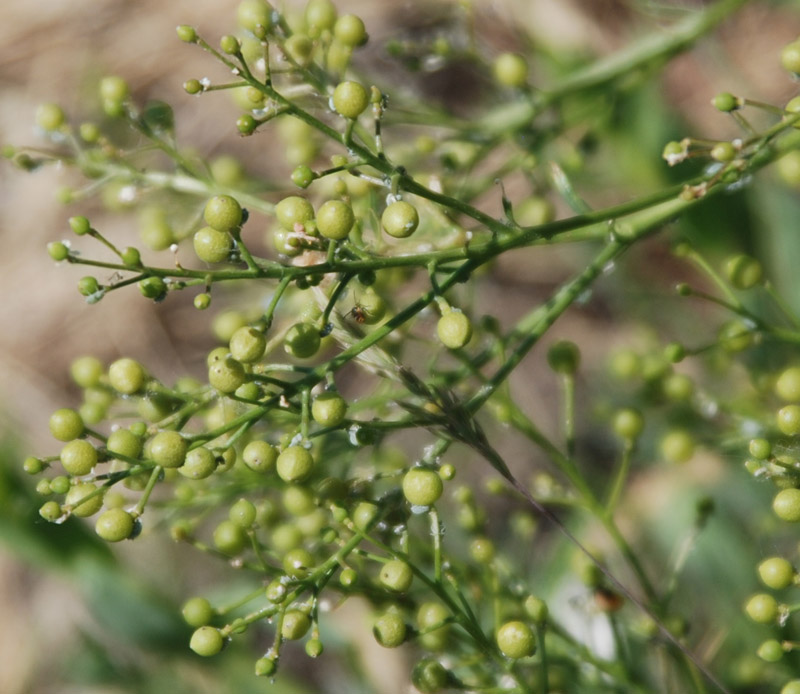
[{"x": 75, "y": 620}]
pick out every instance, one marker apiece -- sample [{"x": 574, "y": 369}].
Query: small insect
[{"x": 358, "y": 313}]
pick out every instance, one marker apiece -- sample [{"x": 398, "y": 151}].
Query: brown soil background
[{"x": 51, "y": 50}]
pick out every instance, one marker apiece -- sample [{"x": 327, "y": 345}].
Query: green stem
[
  {"x": 151, "y": 483},
  {"x": 620, "y": 478}
]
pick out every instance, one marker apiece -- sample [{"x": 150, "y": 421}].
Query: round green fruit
[
  {"x": 350, "y": 99},
  {"x": 789, "y": 420},
  {"x": 78, "y": 457},
  {"x": 199, "y": 463},
  {"x": 125, "y": 443},
  {"x": 787, "y": 387},
  {"x": 350, "y": 31},
  {"x": 66, "y": 424},
  {"x": 516, "y": 640},
  {"x": 422, "y": 487},
  {"x": 229, "y": 538},
  {"x": 770, "y": 650},
  {"x": 429, "y": 676},
  {"x": 389, "y": 630},
  {"x": 400, "y": 219},
  {"x": 335, "y": 219},
  {"x": 92, "y": 504},
  {"x": 259, "y": 456},
  {"x": 743, "y": 271},
  {"x": 786, "y": 505},
  {"x": 776, "y": 573},
  {"x": 255, "y": 16},
  {"x": 396, "y": 575},
  {"x": 511, "y": 70},
  {"x": 223, "y": 213},
  {"x": 114, "y": 525},
  {"x": 168, "y": 449},
  {"x": 454, "y": 329},
  {"x": 295, "y": 625},
  {"x": 126, "y": 376},
  {"x": 197, "y": 612},
  {"x": 628, "y": 424},
  {"x": 294, "y": 464},
  {"x": 298, "y": 563},
  {"x": 206, "y": 641},
  {"x": 564, "y": 357},
  {"x": 212, "y": 245},
  {"x": 226, "y": 375},
  {"x": 247, "y": 345},
  {"x": 293, "y": 210},
  {"x": 790, "y": 57},
  {"x": 762, "y": 608},
  {"x": 302, "y": 340},
  {"x": 329, "y": 409},
  {"x": 677, "y": 446}
]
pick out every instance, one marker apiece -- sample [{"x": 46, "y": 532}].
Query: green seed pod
[
  {"x": 50, "y": 117},
  {"x": 422, "y": 487},
  {"x": 295, "y": 625},
  {"x": 771, "y": 651},
  {"x": 229, "y": 538},
  {"x": 677, "y": 446},
  {"x": 511, "y": 70},
  {"x": 321, "y": 14},
  {"x": 743, "y": 271},
  {"x": 516, "y": 640},
  {"x": 126, "y": 376},
  {"x": 564, "y": 357},
  {"x": 396, "y": 575},
  {"x": 227, "y": 375},
  {"x": 88, "y": 491},
  {"x": 350, "y": 99},
  {"x": 114, "y": 525},
  {"x": 389, "y": 630},
  {"x": 762, "y": 608},
  {"x": 295, "y": 464},
  {"x": 66, "y": 424},
  {"x": 58, "y": 251},
  {"x": 255, "y": 16},
  {"x": 302, "y": 340},
  {"x": 259, "y": 456},
  {"x": 124, "y": 442},
  {"x": 788, "y": 420},
  {"x": 776, "y": 573},
  {"x": 199, "y": 464},
  {"x": 197, "y": 612},
  {"x": 211, "y": 245},
  {"x": 168, "y": 449},
  {"x": 429, "y": 676},
  {"x": 293, "y": 210},
  {"x": 454, "y": 329},
  {"x": 50, "y": 511},
  {"x": 78, "y": 457},
  {"x": 350, "y": 31},
  {"x": 298, "y": 563},
  {"x": 247, "y": 345},
  {"x": 329, "y": 409},
  {"x": 400, "y": 219},
  {"x": 725, "y": 102},
  {"x": 628, "y": 424},
  {"x": 790, "y": 57},
  {"x": 335, "y": 219},
  {"x": 206, "y": 641},
  {"x": 787, "y": 387},
  {"x": 786, "y": 505}
]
